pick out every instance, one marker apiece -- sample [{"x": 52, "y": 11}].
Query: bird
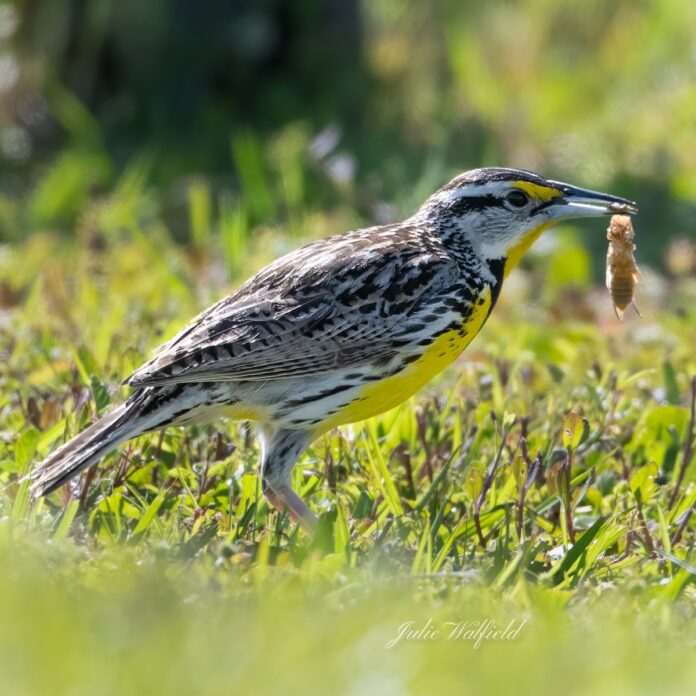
[{"x": 341, "y": 329}]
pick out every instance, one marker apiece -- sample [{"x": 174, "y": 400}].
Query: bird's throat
[{"x": 521, "y": 247}]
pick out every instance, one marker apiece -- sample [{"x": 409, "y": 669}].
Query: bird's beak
[{"x": 577, "y": 202}]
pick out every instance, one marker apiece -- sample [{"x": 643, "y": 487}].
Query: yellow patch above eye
[{"x": 540, "y": 193}]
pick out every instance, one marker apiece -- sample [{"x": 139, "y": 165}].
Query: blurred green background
[
  {"x": 153, "y": 154},
  {"x": 270, "y": 110}
]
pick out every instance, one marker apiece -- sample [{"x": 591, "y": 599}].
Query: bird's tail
[{"x": 127, "y": 421}]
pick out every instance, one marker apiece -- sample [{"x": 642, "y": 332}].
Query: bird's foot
[{"x": 285, "y": 499}]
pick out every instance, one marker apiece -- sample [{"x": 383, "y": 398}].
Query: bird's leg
[
  {"x": 284, "y": 498},
  {"x": 280, "y": 452}
]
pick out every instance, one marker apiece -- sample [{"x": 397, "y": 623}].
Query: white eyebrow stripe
[{"x": 491, "y": 188}]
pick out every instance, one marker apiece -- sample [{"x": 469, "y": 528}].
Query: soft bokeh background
[
  {"x": 275, "y": 110},
  {"x": 152, "y": 155}
]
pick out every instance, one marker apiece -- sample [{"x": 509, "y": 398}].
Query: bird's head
[{"x": 501, "y": 212}]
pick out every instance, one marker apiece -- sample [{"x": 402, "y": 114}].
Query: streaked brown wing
[{"x": 305, "y": 315}]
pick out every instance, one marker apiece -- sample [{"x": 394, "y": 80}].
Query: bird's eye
[{"x": 517, "y": 198}]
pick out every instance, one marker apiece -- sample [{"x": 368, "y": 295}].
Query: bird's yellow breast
[{"x": 378, "y": 397}]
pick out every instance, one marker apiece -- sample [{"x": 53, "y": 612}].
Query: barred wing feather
[{"x": 354, "y": 314}]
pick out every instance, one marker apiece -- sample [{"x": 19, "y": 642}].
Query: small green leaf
[
  {"x": 576, "y": 430},
  {"x": 659, "y": 420},
  {"x": 66, "y": 520},
  {"x": 671, "y": 386},
  {"x": 577, "y": 549},
  {"x": 100, "y": 394},
  {"x": 149, "y": 514},
  {"x": 341, "y": 532},
  {"x": 85, "y": 362},
  {"x": 688, "y": 567},
  {"x": 643, "y": 482},
  {"x": 519, "y": 472},
  {"x": 25, "y": 448},
  {"x": 508, "y": 420},
  {"x": 363, "y": 507}
]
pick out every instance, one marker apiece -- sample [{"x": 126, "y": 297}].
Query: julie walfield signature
[{"x": 477, "y": 631}]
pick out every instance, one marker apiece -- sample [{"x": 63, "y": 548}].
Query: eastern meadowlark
[{"x": 341, "y": 329}]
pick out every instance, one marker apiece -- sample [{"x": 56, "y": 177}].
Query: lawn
[
  {"x": 541, "y": 486},
  {"x": 522, "y": 525}
]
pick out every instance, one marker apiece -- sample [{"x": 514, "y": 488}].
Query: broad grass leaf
[{"x": 25, "y": 448}]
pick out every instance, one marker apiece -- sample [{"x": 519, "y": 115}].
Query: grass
[{"x": 544, "y": 480}]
